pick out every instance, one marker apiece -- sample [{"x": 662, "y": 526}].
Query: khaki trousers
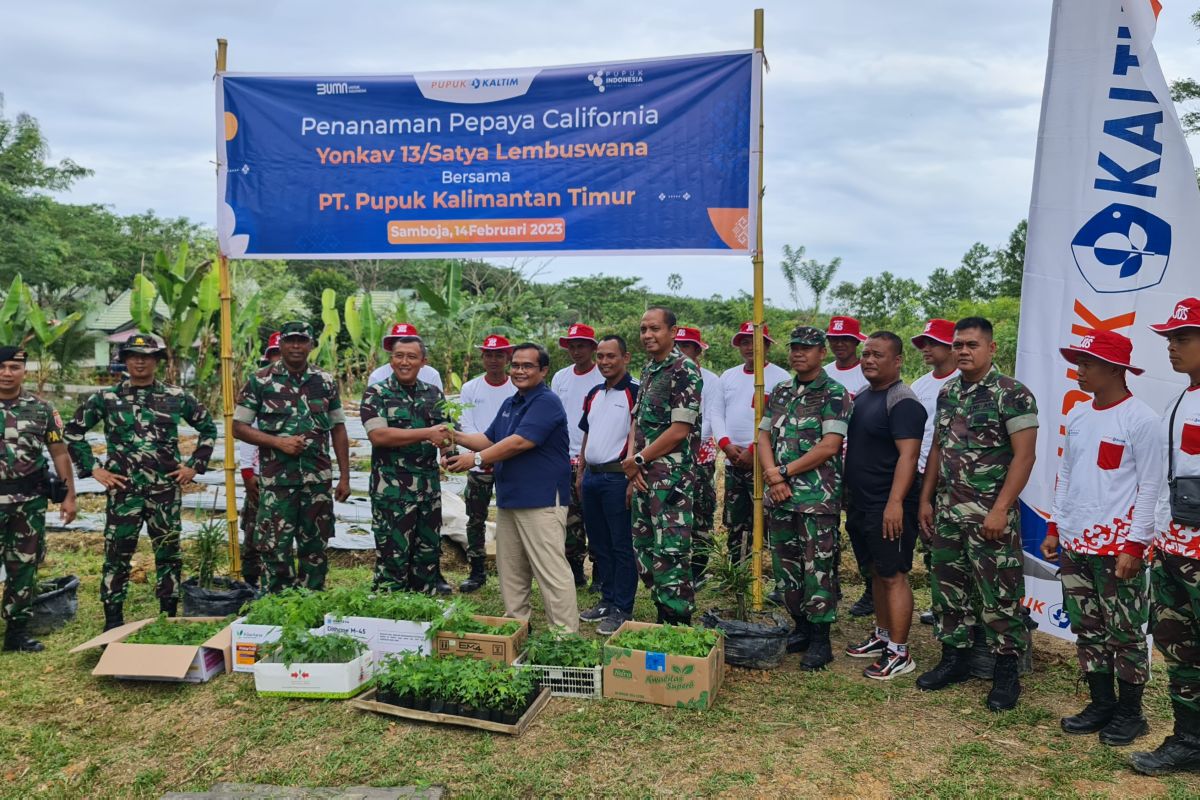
[{"x": 530, "y": 545}]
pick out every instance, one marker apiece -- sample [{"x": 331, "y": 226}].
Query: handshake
[{"x": 441, "y": 436}]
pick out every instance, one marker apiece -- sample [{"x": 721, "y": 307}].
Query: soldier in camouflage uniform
[
  {"x": 800, "y": 448},
  {"x": 248, "y": 462},
  {"x": 144, "y": 473},
  {"x": 30, "y": 427},
  {"x": 406, "y": 422},
  {"x": 982, "y": 454},
  {"x": 712, "y": 406},
  {"x": 664, "y": 445},
  {"x": 298, "y": 410}
]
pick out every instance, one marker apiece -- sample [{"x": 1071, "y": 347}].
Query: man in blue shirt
[{"x": 529, "y": 446}]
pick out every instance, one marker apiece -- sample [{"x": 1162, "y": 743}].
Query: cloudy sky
[{"x": 896, "y": 133}]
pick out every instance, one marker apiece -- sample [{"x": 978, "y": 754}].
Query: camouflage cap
[
  {"x": 296, "y": 328},
  {"x": 807, "y": 335},
  {"x": 143, "y": 344}
]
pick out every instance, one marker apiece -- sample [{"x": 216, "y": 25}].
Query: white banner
[{"x": 1114, "y": 234}]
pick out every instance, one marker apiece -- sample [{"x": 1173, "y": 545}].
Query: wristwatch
[
  {"x": 479, "y": 459},
  {"x": 783, "y": 470},
  {"x": 639, "y": 459}
]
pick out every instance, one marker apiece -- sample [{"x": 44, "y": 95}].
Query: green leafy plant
[
  {"x": 165, "y": 631},
  {"x": 562, "y": 650},
  {"x": 189, "y": 299},
  {"x": 472, "y": 683},
  {"x": 359, "y": 602},
  {"x": 208, "y": 552},
  {"x": 299, "y": 646},
  {"x": 461, "y": 618},
  {"x": 732, "y": 578},
  {"x": 679, "y": 640},
  {"x": 291, "y": 608}
]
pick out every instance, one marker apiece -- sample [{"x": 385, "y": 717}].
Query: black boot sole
[
  {"x": 1125, "y": 742},
  {"x": 953, "y": 681},
  {"x": 998, "y": 707},
  {"x": 1081, "y": 731},
  {"x": 1155, "y": 771}
]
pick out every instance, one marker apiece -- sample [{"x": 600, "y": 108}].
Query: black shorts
[{"x": 886, "y": 556}]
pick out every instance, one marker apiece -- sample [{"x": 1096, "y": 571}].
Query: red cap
[
  {"x": 939, "y": 330},
  {"x": 1104, "y": 345},
  {"x": 272, "y": 343},
  {"x": 398, "y": 330},
  {"x": 1185, "y": 315},
  {"x": 578, "y": 332},
  {"x": 747, "y": 329},
  {"x": 691, "y": 335},
  {"x": 494, "y": 342},
  {"x": 845, "y": 326}
]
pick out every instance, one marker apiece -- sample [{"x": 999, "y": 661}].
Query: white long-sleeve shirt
[
  {"x": 483, "y": 400},
  {"x": 427, "y": 374},
  {"x": 712, "y": 413},
  {"x": 247, "y": 455},
  {"x": 572, "y": 388},
  {"x": 1108, "y": 478},
  {"x": 737, "y": 389},
  {"x": 926, "y": 388},
  {"x": 852, "y": 378},
  {"x": 1174, "y": 538}
]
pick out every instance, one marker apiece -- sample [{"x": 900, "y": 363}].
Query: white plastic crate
[{"x": 579, "y": 682}]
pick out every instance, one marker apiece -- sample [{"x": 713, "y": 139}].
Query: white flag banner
[{"x": 1114, "y": 235}]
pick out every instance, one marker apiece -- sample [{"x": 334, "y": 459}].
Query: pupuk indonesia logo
[{"x": 1122, "y": 248}]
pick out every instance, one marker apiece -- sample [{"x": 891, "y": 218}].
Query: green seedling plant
[
  {"x": 460, "y": 620},
  {"x": 291, "y": 608},
  {"x": 299, "y": 646},
  {"x": 562, "y": 650},
  {"x": 164, "y": 631},
  {"x": 208, "y": 552},
  {"x": 730, "y": 577},
  {"x": 470, "y": 683},
  {"x": 679, "y": 640}
]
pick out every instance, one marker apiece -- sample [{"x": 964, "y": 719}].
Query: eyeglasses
[{"x": 524, "y": 366}]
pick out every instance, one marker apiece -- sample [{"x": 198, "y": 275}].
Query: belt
[
  {"x": 610, "y": 466},
  {"x": 26, "y": 483}
]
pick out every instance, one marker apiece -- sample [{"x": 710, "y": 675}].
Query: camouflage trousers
[
  {"x": 478, "y": 499},
  {"x": 158, "y": 509},
  {"x": 251, "y": 559},
  {"x": 739, "y": 510},
  {"x": 705, "y": 512},
  {"x": 967, "y": 567},
  {"x": 803, "y": 546},
  {"x": 577, "y": 548},
  {"x": 662, "y": 538},
  {"x": 1175, "y": 623},
  {"x": 408, "y": 529},
  {"x": 1107, "y": 615},
  {"x": 303, "y": 514},
  {"x": 22, "y": 528}
]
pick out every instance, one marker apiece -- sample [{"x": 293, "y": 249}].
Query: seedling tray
[
  {"x": 368, "y": 703},
  {"x": 581, "y": 683}
]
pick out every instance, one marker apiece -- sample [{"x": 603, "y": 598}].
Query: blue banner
[{"x": 632, "y": 157}]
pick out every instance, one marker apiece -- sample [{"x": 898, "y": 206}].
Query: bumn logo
[{"x": 1123, "y": 248}]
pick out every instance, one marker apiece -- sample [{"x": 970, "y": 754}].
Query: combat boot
[
  {"x": 799, "y": 639},
  {"x": 476, "y": 579},
  {"x": 17, "y": 641},
  {"x": 168, "y": 606},
  {"x": 439, "y": 583},
  {"x": 1098, "y": 713},
  {"x": 865, "y": 605},
  {"x": 820, "y": 651},
  {"x": 1006, "y": 684},
  {"x": 955, "y": 667},
  {"x": 1128, "y": 723},
  {"x": 1179, "y": 752},
  {"x": 114, "y": 617}
]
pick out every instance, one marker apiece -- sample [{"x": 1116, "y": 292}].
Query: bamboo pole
[
  {"x": 759, "y": 349},
  {"x": 231, "y": 510}
]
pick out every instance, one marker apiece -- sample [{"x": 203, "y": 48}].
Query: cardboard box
[
  {"x": 248, "y": 642},
  {"x": 383, "y": 636},
  {"x": 272, "y": 678},
  {"x": 504, "y": 649},
  {"x": 662, "y": 678},
  {"x": 161, "y": 662}
]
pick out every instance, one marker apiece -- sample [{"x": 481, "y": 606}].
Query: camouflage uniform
[
  {"x": 141, "y": 430},
  {"x": 974, "y": 426},
  {"x": 739, "y": 510},
  {"x": 804, "y": 527},
  {"x": 295, "y": 501},
  {"x": 1174, "y": 608},
  {"x": 705, "y": 511},
  {"x": 576, "y": 543},
  {"x": 663, "y": 515},
  {"x": 406, "y": 490},
  {"x": 29, "y": 425},
  {"x": 1107, "y": 615},
  {"x": 478, "y": 499}
]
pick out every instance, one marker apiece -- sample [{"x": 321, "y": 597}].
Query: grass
[{"x": 66, "y": 734}]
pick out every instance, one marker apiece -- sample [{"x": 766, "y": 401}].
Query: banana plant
[
  {"x": 12, "y": 313},
  {"x": 326, "y": 351},
  {"x": 189, "y": 297},
  {"x": 366, "y": 329},
  {"x": 47, "y": 332}
]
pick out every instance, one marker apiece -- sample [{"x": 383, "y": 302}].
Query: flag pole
[
  {"x": 759, "y": 349},
  {"x": 231, "y": 510}
]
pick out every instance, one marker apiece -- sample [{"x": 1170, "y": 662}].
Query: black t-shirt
[{"x": 880, "y": 418}]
